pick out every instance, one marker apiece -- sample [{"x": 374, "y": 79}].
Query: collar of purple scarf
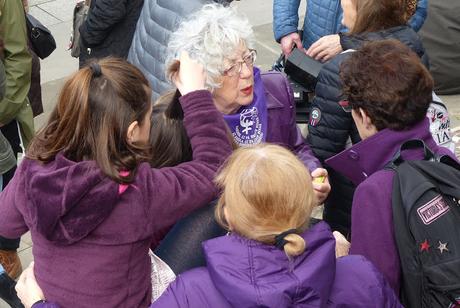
[{"x": 249, "y": 124}]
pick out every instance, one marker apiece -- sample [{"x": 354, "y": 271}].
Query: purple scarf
[{"x": 249, "y": 124}]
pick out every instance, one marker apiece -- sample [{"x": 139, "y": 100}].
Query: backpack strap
[{"x": 397, "y": 159}]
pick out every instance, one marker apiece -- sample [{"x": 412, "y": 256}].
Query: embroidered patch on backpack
[
  {"x": 315, "y": 116},
  {"x": 433, "y": 210}
]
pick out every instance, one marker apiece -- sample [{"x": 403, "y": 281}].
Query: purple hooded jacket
[
  {"x": 245, "y": 273},
  {"x": 372, "y": 232},
  {"x": 91, "y": 235}
]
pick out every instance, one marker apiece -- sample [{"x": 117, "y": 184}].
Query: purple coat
[
  {"x": 282, "y": 127},
  {"x": 372, "y": 232},
  {"x": 91, "y": 235},
  {"x": 245, "y": 273}
]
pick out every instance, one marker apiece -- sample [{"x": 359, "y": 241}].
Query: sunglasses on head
[{"x": 346, "y": 106}]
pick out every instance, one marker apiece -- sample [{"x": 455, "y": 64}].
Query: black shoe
[{"x": 7, "y": 291}]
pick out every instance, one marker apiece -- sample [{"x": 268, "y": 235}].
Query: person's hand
[
  {"x": 25, "y": 3},
  {"x": 28, "y": 290},
  {"x": 325, "y": 48},
  {"x": 288, "y": 41},
  {"x": 321, "y": 184},
  {"x": 342, "y": 246},
  {"x": 190, "y": 75}
]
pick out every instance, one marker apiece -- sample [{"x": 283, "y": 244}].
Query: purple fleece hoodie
[
  {"x": 372, "y": 233},
  {"x": 91, "y": 235},
  {"x": 245, "y": 273}
]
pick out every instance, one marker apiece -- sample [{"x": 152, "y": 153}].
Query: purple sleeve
[
  {"x": 46, "y": 305},
  {"x": 297, "y": 141},
  {"x": 372, "y": 231},
  {"x": 176, "y": 191},
  {"x": 358, "y": 283},
  {"x": 303, "y": 151},
  {"x": 12, "y": 224},
  {"x": 194, "y": 288}
]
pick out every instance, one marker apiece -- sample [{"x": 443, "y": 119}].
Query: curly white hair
[{"x": 210, "y": 36}]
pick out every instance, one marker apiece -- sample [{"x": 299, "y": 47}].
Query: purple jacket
[
  {"x": 91, "y": 235},
  {"x": 372, "y": 222},
  {"x": 282, "y": 127},
  {"x": 245, "y": 273}
]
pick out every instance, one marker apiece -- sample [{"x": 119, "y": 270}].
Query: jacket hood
[
  {"x": 68, "y": 199},
  {"x": 405, "y": 34},
  {"x": 362, "y": 160},
  {"x": 248, "y": 273}
]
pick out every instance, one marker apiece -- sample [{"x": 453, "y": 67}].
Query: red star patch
[{"x": 425, "y": 246}]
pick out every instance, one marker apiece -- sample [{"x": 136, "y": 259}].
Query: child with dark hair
[
  {"x": 88, "y": 194},
  {"x": 388, "y": 91}
]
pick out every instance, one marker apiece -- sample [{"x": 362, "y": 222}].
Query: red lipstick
[{"x": 247, "y": 90}]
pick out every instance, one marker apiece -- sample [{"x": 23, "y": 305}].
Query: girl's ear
[{"x": 133, "y": 132}]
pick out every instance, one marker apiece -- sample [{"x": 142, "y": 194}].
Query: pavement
[{"x": 57, "y": 16}]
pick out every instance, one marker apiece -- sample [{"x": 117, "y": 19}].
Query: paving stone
[
  {"x": 60, "y": 9},
  {"x": 43, "y": 17},
  {"x": 36, "y": 2}
]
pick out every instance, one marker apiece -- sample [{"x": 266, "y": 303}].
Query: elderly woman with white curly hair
[{"x": 258, "y": 107}]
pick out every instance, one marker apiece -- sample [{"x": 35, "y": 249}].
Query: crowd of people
[{"x": 172, "y": 172}]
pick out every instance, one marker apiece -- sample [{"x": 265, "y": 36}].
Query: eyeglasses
[
  {"x": 236, "y": 68},
  {"x": 346, "y": 106}
]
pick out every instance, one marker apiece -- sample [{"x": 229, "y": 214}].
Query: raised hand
[{"x": 189, "y": 75}]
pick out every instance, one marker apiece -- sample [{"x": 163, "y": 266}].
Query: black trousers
[
  {"x": 11, "y": 133},
  {"x": 181, "y": 248}
]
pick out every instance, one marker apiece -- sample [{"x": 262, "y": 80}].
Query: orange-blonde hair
[{"x": 266, "y": 190}]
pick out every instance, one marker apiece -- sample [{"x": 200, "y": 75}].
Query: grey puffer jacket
[{"x": 158, "y": 19}]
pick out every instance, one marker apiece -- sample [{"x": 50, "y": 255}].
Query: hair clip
[
  {"x": 279, "y": 239},
  {"x": 96, "y": 68}
]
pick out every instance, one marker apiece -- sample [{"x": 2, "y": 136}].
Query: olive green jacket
[
  {"x": 7, "y": 159},
  {"x": 18, "y": 66}
]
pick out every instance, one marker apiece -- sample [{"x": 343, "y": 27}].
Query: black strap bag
[
  {"x": 426, "y": 217},
  {"x": 43, "y": 43}
]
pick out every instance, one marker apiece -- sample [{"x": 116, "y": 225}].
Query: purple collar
[
  {"x": 249, "y": 125},
  {"x": 372, "y": 154}
]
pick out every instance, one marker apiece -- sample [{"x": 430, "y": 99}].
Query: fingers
[
  {"x": 190, "y": 74},
  {"x": 342, "y": 246},
  {"x": 27, "y": 287},
  {"x": 314, "y": 49},
  {"x": 319, "y": 172},
  {"x": 298, "y": 43},
  {"x": 325, "y": 48},
  {"x": 288, "y": 42},
  {"x": 321, "y": 186}
]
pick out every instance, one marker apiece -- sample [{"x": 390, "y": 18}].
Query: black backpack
[{"x": 426, "y": 216}]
